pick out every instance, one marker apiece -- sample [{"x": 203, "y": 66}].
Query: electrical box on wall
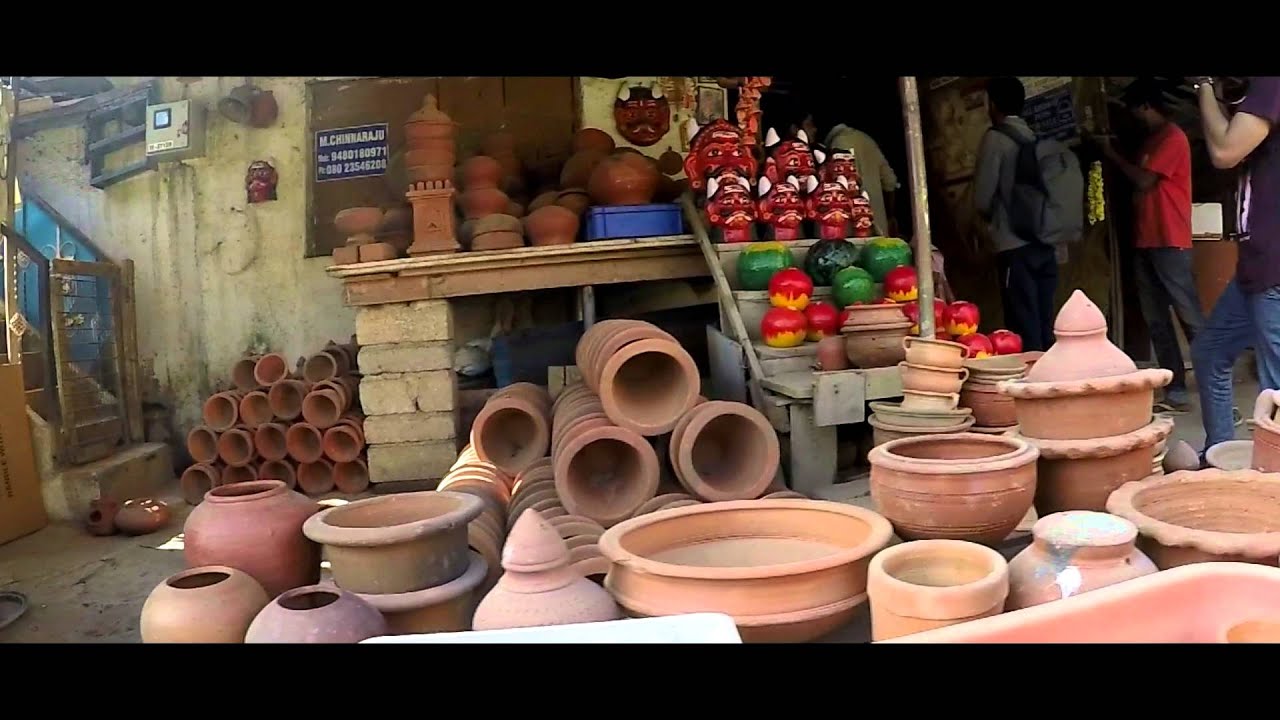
[{"x": 175, "y": 130}]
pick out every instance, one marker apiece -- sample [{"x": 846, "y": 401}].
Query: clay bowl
[
  {"x": 884, "y": 431},
  {"x": 1231, "y": 455},
  {"x": 876, "y": 346},
  {"x": 926, "y": 401},
  {"x": 893, "y": 413},
  {"x": 1204, "y": 516},
  {"x": 861, "y": 316},
  {"x": 954, "y": 487},
  {"x": 934, "y": 379},
  {"x": 358, "y": 220},
  {"x": 934, "y": 353},
  {"x": 924, "y": 585},
  {"x": 998, "y": 367},
  {"x": 1083, "y": 409},
  {"x": 990, "y": 408},
  {"x": 785, "y": 570}
]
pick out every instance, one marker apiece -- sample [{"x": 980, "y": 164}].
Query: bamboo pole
[{"x": 919, "y": 202}]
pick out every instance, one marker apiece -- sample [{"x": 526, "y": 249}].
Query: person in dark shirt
[{"x": 1248, "y": 312}]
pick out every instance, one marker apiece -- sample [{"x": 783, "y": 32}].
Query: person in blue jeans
[{"x": 1248, "y": 313}]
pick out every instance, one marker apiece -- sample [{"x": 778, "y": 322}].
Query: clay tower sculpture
[
  {"x": 428, "y": 131},
  {"x": 540, "y": 587}
]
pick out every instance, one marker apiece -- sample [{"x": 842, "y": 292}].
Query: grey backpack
[{"x": 1047, "y": 204}]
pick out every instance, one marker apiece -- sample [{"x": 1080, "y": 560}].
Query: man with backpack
[{"x": 1031, "y": 192}]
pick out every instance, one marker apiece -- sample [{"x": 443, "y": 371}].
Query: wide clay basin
[
  {"x": 1205, "y": 603},
  {"x": 1083, "y": 409},
  {"x": 1204, "y": 516},
  {"x": 785, "y": 570}
]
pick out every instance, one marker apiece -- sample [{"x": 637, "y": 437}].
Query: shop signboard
[
  {"x": 351, "y": 152},
  {"x": 1053, "y": 115}
]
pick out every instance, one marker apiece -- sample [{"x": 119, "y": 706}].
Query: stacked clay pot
[
  {"x": 993, "y": 413},
  {"x": 494, "y": 219},
  {"x": 430, "y": 138},
  {"x": 361, "y": 225},
  {"x": 590, "y": 146},
  {"x": 1266, "y": 432},
  {"x": 724, "y": 451},
  {"x": 487, "y": 533},
  {"x": 407, "y": 555},
  {"x": 1087, "y": 407},
  {"x": 513, "y": 429},
  {"x": 645, "y": 380},
  {"x": 874, "y": 335},
  {"x": 932, "y": 375},
  {"x": 501, "y": 146},
  {"x": 928, "y": 584}
]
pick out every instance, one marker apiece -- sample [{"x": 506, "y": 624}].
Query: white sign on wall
[{"x": 1041, "y": 85}]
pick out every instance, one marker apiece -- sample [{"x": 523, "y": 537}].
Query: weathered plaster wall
[
  {"x": 215, "y": 276},
  {"x": 598, "y": 96}
]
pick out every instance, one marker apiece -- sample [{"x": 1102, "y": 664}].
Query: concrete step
[{"x": 134, "y": 471}]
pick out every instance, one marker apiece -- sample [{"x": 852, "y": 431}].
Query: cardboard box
[{"x": 21, "y": 505}]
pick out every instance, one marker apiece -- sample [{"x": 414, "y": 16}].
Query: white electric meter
[{"x": 175, "y": 130}]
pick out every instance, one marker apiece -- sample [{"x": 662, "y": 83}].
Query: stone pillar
[{"x": 408, "y": 392}]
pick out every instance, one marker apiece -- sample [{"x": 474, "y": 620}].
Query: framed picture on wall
[{"x": 711, "y": 104}]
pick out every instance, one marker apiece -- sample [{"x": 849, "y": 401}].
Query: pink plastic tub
[{"x": 1202, "y": 603}]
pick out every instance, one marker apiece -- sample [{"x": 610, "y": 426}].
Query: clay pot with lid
[
  {"x": 1074, "y": 552},
  {"x": 1266, "y": 432},
  {"x": 255, "y": 527},
  {"x": 316, "y": 614},
  {"x": 873, "y": 346},
  {"x": 934, "y": 353},
  {"x": 208, "y": 604},
  {"x": 396, "y": 543},
  {"x": 429, "y": 123},
  {"x": 1204, "y": 516},
  {"x": 497, "y": 232},
  {"x": 539, "y": 587},
  {"x": 623, "y": 178},
  {"x": 444, "y": 608},
  {"x": 958, "y": 487},
  {"x": 551, "y": 225},
  {"x": 928, "y": 584},
  {"x": 513, "y": 429},
  {"x": 1082, "y": 474},
  {"x": 724, "y": 451},
  {"x": 605, "y": 473}
]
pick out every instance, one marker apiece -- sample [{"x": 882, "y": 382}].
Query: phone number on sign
[{"x": 353, "y": 167}]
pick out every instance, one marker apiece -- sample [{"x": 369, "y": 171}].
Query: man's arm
[
  {"x": 1230, "y": 141},
  {"x": 986, "y": 176},
  {"x": 1141, "y": 177}
]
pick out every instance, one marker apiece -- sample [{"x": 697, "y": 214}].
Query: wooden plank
[
  {"x": 728, "y": 369},
  {"x": 500, "y": 259},
  {"x": 78, "y": 267},
  {"x": 795, "y": 385},
  {"x": 839, "y": 398},
  {"x": 813, "y": 452},
  {"x": 883, "y": 383},
  {"x": 782, "y": 366},
  {"x": 129, "y": 370}
]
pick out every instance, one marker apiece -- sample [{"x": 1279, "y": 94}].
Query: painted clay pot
[
  {"x": 605, "y": 473},
  {"x": 876, "y": 346},
  {"x": 1266, "y": 433},
  {"x": 990, "y": 407},
  {"x": 142, "y": 516},
  {"x": 285, "y": 398},
  {"x": 481, "y": 172},
  {"x": 784, "y": 570},
  {"x": 242, "y": 373},
  {"x": 255, "y": 527},
  {"x": 513, "y": 429},
  {"x": 396, "y": 543},
  {"x": 578, "y": 169},
  {"x": 623, "y": 178},
  {"x": 305, "y": 442},
  {"x": 235, "y": 447},
  {"x": 593, "y": 139},
  {"x": 314, "y": 478},
  {"x": 648, "y": 385},
  {"x": 483, "y": 201},
  {"x": 232, "y": 474},
  {"x": 281, "y": 470},
  {"x": 222, "y": 410},
  {"x": 1082, "y": 474},
  {"x": 101, "y": 520},
  {"x": 198, "y": 480},
  {"x": 351, "y": 478},
  {"x": 444, "y": 608},
  {"x": 1074, "y": 552},
  {"x": 958, "y": 487},
  {"x": 209, "y": 604},
  {"x": 934, "y": 353},
  {"x": 883, "y": 431},
  {"x": 551, "y": 225},
  {"x": 831, "y": 355},
  {"x": 1204, "y": 516},
  {"x": 928, "y": 584},
  {"x": 724, "y": 451},
  {"x": 539, "y": 587},
  {"x": 930, "y": 378},
  {"x": 202, "y": 444},
  {"x": 316, "y": 614},
  {"x": 575, "y": 199},
  {"x": 274, "y": 367},
  {"x": 269, "y": 440}
]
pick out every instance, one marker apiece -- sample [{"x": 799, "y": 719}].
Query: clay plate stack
[{"x": 931, "y": 378}]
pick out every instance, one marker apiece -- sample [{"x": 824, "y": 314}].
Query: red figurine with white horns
[
  {"x": 730, "y": 206},
  {"x": 782, "y": 207},
  {"x": 830, "y": 206}
]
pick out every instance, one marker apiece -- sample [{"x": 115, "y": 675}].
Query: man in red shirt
[{"x": 1162, "y": 232}]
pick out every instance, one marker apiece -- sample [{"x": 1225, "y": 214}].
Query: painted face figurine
[
  {"x": 788, "y": 158},
  {"x": 642, "y": 114},
  {"x": 840, "y": 163},
  {"x": 864, "y": 217},
  {"x": 730, "y": 207},
  {"x": 830, "y": 206},
  {"x": 782, "y": 207},
  {"x": 714, "y": 149},
  {"x": 260, "y": 182}
]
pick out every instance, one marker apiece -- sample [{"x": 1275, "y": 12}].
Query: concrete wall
[{"x": 598, "y": 96}]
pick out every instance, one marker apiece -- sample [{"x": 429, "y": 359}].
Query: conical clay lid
[
  {"x": 1082, "y": 350},
  {"x": 430, "y": 112},
  {"x": 533, "y": 545}
]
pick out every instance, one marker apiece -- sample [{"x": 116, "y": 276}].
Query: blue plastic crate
[{"x": 606, "y": 222}]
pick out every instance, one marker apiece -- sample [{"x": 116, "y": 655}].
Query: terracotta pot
[
  {"x": 281, "y": 470},
  {"x": 925, "y": 401},
  {"x": 285, "y": 398},
  {"x": 929, "y": 378},
  {"x": 539, "y": 587},
  {"x": 623, "y": 178},
  {"x": 605, "y": 473},
  {"x": 831, "y": 355},
  {"x": 590, "y": 563},
  {"x": 142, "y": 516},
  {"x": 1083, "y": 409},
  {"x": 894, "y": 414},
  {"x": 269, "y": 439},
  {"x": 343, "y": 443},
  {"x": 315, "y": 478},
  {"x": 593, "y": 139},
  {"x": 442, "y": 155},
  {"x": 396, "y": 543},
  {"x": 323, "y": 366},
  {"x": 101, "y": 520},
  {"x": 235, "y": 447},
  {"x": 958, "y": 487},
  {"x": 232, "y": 474},
  {"x": 990, "y": 408},
  {"x": 210, "y": 604},
  {"x": 542, "y": 200},
  {"x": 316, "y": 614},
  {"x": 1003, "y": 367},
  {"x": 513, "y": 430},
  {"x": 1082, "y": 474},
  {"x": 242, "y": 373},
  {"x": 1204, "y": 516},
  {"x": 537, "y": 472},
  {"x": 481, "y": 172},
  {"x": 552, "y": 225},
  {"x": 322, "y": 408},
  {"x": 577, "y": 170},
  {"x": 255, "y": 527},
  {"x": 198, "y": 480},
  {"x": 575, "y": 199},
  {"x": 876, "y": 346},
  {"x": 202, "y": 444},
  {"x": 934, "y": 353},
  {"x": 351, "y": 478},
  {"x": 483, "y": 201},
  {"x": 254, "y": 409},
  {"x": 648, "y": 385},
  {"x": 884, "y": 431},
  {"x": 346, "y": 387},
  {"x": 924, "y": 585},
  {"x": 489, "y": 480},
  {"x": 222, "y": 410},
  {"x": 355, "y": 221},
  {"x": 274, "y": 367},
  {"x": 445, "y": 608},
  {"x": 429, "y": 173},
  {"x": 863, "y": 316},
  {"x": 1072, "y": 553},
  {"x": 1266, "y": 433},
  {"x": 785, "y": 570},
  {"x": 305, "y": 442},
  {"x": 429, "y": 123},
  {"x": 724, "y": 451},
  {"x": 1082, "y": 351}
]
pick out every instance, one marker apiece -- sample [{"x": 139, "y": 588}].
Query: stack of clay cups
[
  {"x": 932, "y": 376},
  {"x": 724, "y": 451},
  {"x": 993, "y": 412},
  {"x": 488, "y": 532},
  {"x": 513, "y": 429},
  {"x": 645, "y": 380},
  {"x": 329, "y": 443}
]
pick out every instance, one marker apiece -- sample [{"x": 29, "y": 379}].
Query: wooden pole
[{"x": 919, "y": 201}]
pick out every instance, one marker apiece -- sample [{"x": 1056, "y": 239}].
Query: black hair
[
  {"x": 1007, "y": 95},
  {"x": 1145, "y": 91}
]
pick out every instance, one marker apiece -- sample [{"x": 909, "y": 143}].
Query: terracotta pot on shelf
[
  {"x": 724, "y": 451},
  {"x": 235, "y": 447},
  {"x": 285, "y": 398},
  {"x": 233, "y": 474},
  {"x": 874, "y": 346},
  {"x": 513, "y": 429},
  {"x": 444, "y": 608},
  {"x": 281, "y": 470},
  {"x": 431, "y": 156},
  {"x": 208, "y": 604},
  {"x": 623, "y": 178},
  {"x": 542, "y": 200},
  {"x": 481, "y": 202},
  {"x": 274, "y": 367},
  {"x": 242, "y": 373},
  {"x": 575, "y": 199},
  {"x": 351, "y": 478},
  {"x": 595, "y": 139},
  {"x": 429, "y": 123},
  {"x": 255, "y": 409},
  {"x": 222, "y": 410},
  {"x": 142, "y": 516},
  {"x": 552, "y": 225},
  {"x": 928, "y": 584},
  {"x": 198, "y": 480},
  {"x": 480, "y": 172},
  {"x": 353, "y": 221},
  {"x": 315, "y": 478},
  {"x": 1082, "y": 474},
  {"x": 935, "y": 353},
  {"x": 202, "y": 444},
  {"x": 577, "y": 170},
  {"x": 316, "y": 614}
]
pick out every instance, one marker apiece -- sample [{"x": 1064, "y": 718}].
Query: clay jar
[
  {"x": 1072, "y": 553},
  {"x": 928, "y": 584},
  {"x": 210, "y": 604},
  {"x": 539, "y": 587},
  {"x": 483, "y": 201},
  {"x": 551, "y": 225},
  {"x": 142, "y": 516},
  {"x": 316, "y": 614},
  {"x": 991, "y": 409},
  {"x": 623, "y": 178},
  {"x": 255, "y": 527},
  {"x": 444, "y": 608},
  {"x": 481, "y": 172},
  {"x": 724, "y": 451},
  {"x": 960, "y": 487},
  {"x": 1266, "y": 433},
  {"x": 396, "y": 543},
  {"x": 577, "y": 170},
  {"x": 874, "y": 346},
  {"x": 1082, "y": 474},
  {"x": 513, "y": 429}
]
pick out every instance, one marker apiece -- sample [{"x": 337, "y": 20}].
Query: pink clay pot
[
  {"x": 305, "y": 443},
  {"x": 343, "y": 443},
  {"x": 648, "y": 385},
  {"x": 724, "y": 451},
  {"x": 235, "y": 447},
  {"x": 322, "y": 408},
  {"x": 198, "y": 480},
  {"x": 316, "y": 614},
  {"x": 270, "y": 440},
  {"x": 202, "y": 444},
  {"x": 315, "y": 478},
  {"x": 222, "y": 410},
  {"x": 255, "y": 409},
  {"x": 280, "y": 470},
  {"x": 605, "y": 473},
  {"x": 351, "y": 478},
  {"x": 286, "y": 397},
  {"x": 271, "y": 369}
]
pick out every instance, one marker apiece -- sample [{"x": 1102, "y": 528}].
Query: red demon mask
[
  {"x": 831, "y": 207},
  {"x": 730, "y": 207},
  {"x": 864, "y": 217},
  {"x": 840, "y": 163},
  {"x": 642, "y": 114},
  {"x": 782, "y": 206},
  {"x": 789, "y": 158},
  {"x": 715, "y": 148}
]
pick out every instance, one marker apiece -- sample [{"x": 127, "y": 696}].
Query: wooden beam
[{"x": 919, "y": 200}]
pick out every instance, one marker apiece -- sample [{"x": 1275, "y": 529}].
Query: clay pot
[
  {"x": 1084, "y": 409},
  {"x": 322, "y": 408},
  {"x": 934, "y": 353},
  {"x": 577, "y": 170},
  {"x": 1266, "y": 433},
  {"x": 285, "y": 398},
  {"x": 444, "y": 608},
  {"x": 593, "y": 139},
  {"x": 354, "y": 221},
  {"x": 918, "y": 586},
  {"x": 785, "y": 570},
  {"x": 1072, "y": 553},
  {"x": 926, "y": 401},
  {"x": 959, "y": 487},
  {"x": 198, "y": 480},
  {"x": 648, "y": 385},
  {"x": 443, "y": 154},
  {"x": 513, "y": 429},
  {"x": 865, "y": 316},
  {"x": 351, "y": 478},
  {"x": 232, "y": 474},
  {"x": 605, "y": 473},
  {"x": 990, "y": 408},
  {"x": 481, "y": 172},
  {"x": 830, "y": 355},
  {"x": 315, "y": 478},
  {"x": 429, "y": 173},
  {"x": 274, "y": 367},
  {"x": 202, "y": 444},
  {"x": 255, "y": 527},
  {"x": 999, "y": 367},
  {"x": 255, "y": 409},
  {"x": 343, "y": 442},
  {"x": 429, "y": 123},
  {"x": 543, "y": 200},
  {"x": 142, "y": 516},
  {"x": 235, "y": 447},
  {"x": 575, "y": 199},
  {"x": 209, "y": 604},
  {"x": 1082, "y": 351},
  {"x": 101, "y": 520},
  {"x": 396, "y": 543},
  {"x": 1181, "y": 456},
  {"x": 551, "y": 225},
  {"x": 884, "y": 431},
  {"x": 623, "y": 178},
  {"x": 269, "y": 439},
  {"x": 222, "y": 410},
  {"x": 724, "y": 451},
  {"x": 280, "y": 470},
  {"x": 324, "y": 365},
  {"x": 316, "y": 614},
  {"x": 539, "y": 587},
  {"x": 483, "y": 201},
  {"x": 894, "y": 414},
  {"x": 242, "y": 373},
  {"x": 305, "y": 442},
  {"x": 874, "y": 346},
  {"x": 1204, "y": 516},
  {"x": 1082, "y": 474},
  {"x": 933, "y": 379}
]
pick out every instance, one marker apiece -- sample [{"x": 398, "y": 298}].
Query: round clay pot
[
  {"x": 1266, "y": 433},
  {"x": 235, "y": 447},
  {"x": 575, "y": 199},
  {"x": 927, "y": 401},
  {"x": 539, "y": 587},
  {"x": 579, "y": 167},
  {"x": 934, "y": 353},
  {"x": 991, "y": 408},
  {"x": 305, "y": 442},
  {"x": 316, "y": 614},
  {"x": 1204, "y": 516},
  {"x": 255, "y": 527},
  {"x": 959, "y": 487},
  {"x": 929, "y": 378},
  {"x": 280, "y": 470},
  {"x": 1072, "y": 553},
  {"x": 918, "y": 586},
  {"x": 396, "y": 543},
  {"x": 315, "y": 478},
  {"x": 232, "y": 474},
  {"x": 322, "y": 408},
  {"x": 512, "y": 431},
  {"x": 497, "y": 241},
  {"x": 355, "y": 221},
  {"x": 285, "y": 398},
  {"x": 671, "y": 162},
  {"x": 623, "y": 178},
  {"x": 222, "y": 410},
  {"x": 210, "y": 604},
  {"x": 543, "y": 200},
  {"x": 884, "y": 431},
  {"x": 724, "y": 451},
  {"x": 269, "y": 440},
  {"x": 142, "y": 516},
  {"x": 483, "y": 201},
  {"x": 444, "y": 608},
  {"x": 242, "y": 373},
  {"x": 831, "y": 355},
  {"x": 274, "y": 367},
  {"x": 785, "y": 570},
  {"x": 605, "y": 473},
  {"x": 481, "y": 172},
  {"x": 894, "y": 414},
  {"x": 552, "y": 225},
  {"x": 255, "y": 409},
  {"x": 593, "y": 139},
  {"x": 647, "y": 385},
  {"x": 1082, "y": 474},
  {"x": 343, "y": 443},
  {"x": 860, "y": 317},
  {"x": 876, "y": 346},
  {"x": 202, "y": 444},
  {"x": 198, "y": 480}
]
